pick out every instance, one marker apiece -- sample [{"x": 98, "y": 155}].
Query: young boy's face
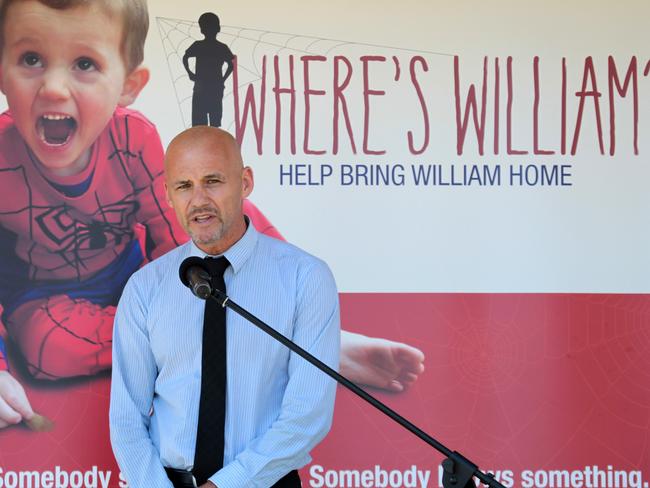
[{"x": 63, "y": 75}]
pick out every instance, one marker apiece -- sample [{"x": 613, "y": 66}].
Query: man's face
[
  {"x": 63, "y": 75},
  {"x": 206, "y": 186}
]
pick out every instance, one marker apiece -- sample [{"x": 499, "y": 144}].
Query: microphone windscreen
[{"x": 186, "y": 265}]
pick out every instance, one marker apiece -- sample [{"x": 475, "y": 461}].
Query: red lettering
[
  {"x": 423, "y": 105},
  {"x": 249, "y": 105},
  {"x": 509, "y": 110},
  {"x": 588, "y": 76},
  {"x": 278, "y": 106},
  {"x": 308, "y": 92},
  {"x": 563, "y": 122},
  {"x": 536, "y": 149},
  {"x": 470, "y": 105},
  {"x": 630, "y": 76},
  {"x": 497, "y": 88},
  {"x": 339, "y": 98},
  {"x": 367, "y": 92}
]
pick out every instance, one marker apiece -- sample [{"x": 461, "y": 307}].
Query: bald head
[
  {"x": 206, "y": 138},
  {"x": 206, "y": 184}
]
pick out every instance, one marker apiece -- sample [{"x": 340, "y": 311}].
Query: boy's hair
[
  {"x": 135, "y": 23},
  {"x": 209, "y": 24},
  {"x": 209, "y": 19}
]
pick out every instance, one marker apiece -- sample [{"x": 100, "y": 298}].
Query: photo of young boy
[
  {"x": 83, "y": 202},
  {"x": 79, "y": 171}
]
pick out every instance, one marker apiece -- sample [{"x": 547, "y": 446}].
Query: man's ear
[
  {"x": 169, "y": 200},
  {"x": 247, "y": 181},
  {"x": 134, "y": 83}
]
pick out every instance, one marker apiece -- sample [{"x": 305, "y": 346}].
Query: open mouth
[
  {"x": 55, "y": 129},
  {"x": 202, "y": 218}
]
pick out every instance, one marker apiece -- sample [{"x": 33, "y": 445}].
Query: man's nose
[
  {"x": 199, "y": 196},
  {"x": 55, "y": 85}
]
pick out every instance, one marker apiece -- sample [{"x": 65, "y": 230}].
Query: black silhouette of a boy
[{"x": 208, "y": 76}]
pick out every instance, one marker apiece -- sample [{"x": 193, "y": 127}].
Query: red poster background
[{"x": 513, "y": 381}]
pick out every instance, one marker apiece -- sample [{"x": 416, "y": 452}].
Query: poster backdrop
[{"x": 475, "y": 174}]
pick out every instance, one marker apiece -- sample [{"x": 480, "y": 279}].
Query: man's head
[
  {"x": 65, "y": 66},
  {"x": 206, "y": 184}
]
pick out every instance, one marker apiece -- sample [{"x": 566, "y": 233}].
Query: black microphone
[{"x": 194, "y": 274}]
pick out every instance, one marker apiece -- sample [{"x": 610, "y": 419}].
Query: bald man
[{"x": 278, "y": 406}]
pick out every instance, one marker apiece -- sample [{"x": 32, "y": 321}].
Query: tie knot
[{"x": 217, "y": 266}]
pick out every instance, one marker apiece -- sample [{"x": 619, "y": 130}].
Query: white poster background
[{"x": 592, "y": 236}]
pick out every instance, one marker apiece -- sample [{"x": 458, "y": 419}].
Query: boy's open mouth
[{"x": 56, "y": 130}]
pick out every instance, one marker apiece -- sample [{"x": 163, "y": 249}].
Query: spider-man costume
[{"x": 70, "y": 244}]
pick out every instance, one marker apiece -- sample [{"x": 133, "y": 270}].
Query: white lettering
[{"x": 368, "y": 478}]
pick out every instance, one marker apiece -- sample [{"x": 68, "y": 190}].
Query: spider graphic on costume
[{"x": 69, "y": 244}]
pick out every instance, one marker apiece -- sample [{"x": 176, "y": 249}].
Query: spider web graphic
[
  {"x": 531, "y": 380},
  {"x": 249, "y": 46}
]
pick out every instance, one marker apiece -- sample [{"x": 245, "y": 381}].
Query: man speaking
[{"x": 199, "y": 396}]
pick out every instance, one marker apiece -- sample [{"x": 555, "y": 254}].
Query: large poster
[{"x": 474, "y": 174}]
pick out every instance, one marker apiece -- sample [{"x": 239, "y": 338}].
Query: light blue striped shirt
[{"x": 278, "y": 406}]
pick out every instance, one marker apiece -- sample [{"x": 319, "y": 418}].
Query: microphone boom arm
[{"x": 457, "y": 470}]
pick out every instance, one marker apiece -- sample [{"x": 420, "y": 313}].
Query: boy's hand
[{"x": 14, "y": 406}]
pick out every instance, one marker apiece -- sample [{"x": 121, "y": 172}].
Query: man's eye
[
  {"x": 31, "y": 60},
  {"x": 86, "y": 64}
]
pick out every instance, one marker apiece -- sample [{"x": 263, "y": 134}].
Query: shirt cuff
[{"x": 232, "y": 475}]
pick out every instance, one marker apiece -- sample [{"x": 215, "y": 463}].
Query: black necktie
[{"x": 208, "y": 457}]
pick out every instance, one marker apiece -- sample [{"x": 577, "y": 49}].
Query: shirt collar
[{"x": 239, "y": 252}]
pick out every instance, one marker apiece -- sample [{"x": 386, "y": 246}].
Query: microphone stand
[{"x": 457, "y": 469}]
